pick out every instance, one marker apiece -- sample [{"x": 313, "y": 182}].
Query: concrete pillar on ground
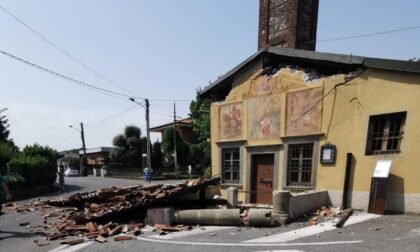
[
  {"x": 232, "y": 197},
  {"x": 94, "y": 172},
  {"x": 219, "y": 217},
  {"x": 281, "y": 202},
  {"x": 259, "y": 217},
  {"x": 163, "y": 216}
]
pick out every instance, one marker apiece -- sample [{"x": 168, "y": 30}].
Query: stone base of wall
[{"x": 395, "y": 202}]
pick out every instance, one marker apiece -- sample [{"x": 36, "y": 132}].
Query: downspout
[{"x": 346, "y": 181}]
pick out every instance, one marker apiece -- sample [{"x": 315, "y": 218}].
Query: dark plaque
[{"x": 377, "y": 196}]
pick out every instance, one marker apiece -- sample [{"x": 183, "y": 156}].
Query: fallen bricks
[
  {"x": 96, "y": 215},
  {"x": 111, "y": 203}
]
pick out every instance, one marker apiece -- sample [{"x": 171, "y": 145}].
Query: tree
[
  {"x": 157, "y": 156},
  {"x": 128, "y": 147},
  {"x": 200, "y": 153},
  {"x": 4, "y": 130},
  {"x": 182, "y": 148}
]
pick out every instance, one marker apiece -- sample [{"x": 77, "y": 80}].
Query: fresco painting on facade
[
  {"x": 264, "y": 117},
  {"x": 262, "y": 85},
  {"x": 231, "y": 121},
  {"x": 304, "y": 112}
]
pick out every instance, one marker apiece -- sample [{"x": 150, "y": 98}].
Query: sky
[{"x": 162, "y": 50}]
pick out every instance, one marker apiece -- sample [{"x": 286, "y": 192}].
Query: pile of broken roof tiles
[{"x": 99, "y": 214}]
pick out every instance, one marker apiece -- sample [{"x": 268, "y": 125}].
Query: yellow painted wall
[
  {"x": 375, "y": 92},
  {"x": 345, "y": 118}
]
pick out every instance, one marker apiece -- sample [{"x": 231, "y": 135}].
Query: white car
[{"x": 71, "y": 172}]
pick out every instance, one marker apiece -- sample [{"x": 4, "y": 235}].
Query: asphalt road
[{"x": 363, "y": 232}]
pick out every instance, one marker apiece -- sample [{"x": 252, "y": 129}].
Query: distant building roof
[
  {"x": 295, "y": 56},
  {"x": 186, "y": 122},
  {"x": 97, "y": 150}
]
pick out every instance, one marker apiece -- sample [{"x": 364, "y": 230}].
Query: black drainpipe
[{"x": 346, "y": 181}]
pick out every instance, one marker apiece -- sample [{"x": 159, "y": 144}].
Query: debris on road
[
  {"x": 326, "y": 214},
  {"x": 123, "y": 238},
  {"x": 72, "y": 241},
  {"x": 343, "y": 219},
  {"x": 41, "y": 243},
  {"x": 117, "y": 212},
  {"x": 100, "y": 239}
]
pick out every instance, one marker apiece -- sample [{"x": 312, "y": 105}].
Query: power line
[
  {"x": 112, "y": 116},
  {"x": 65, "y": 140},
  {"x": 77, "y": 82},
  {"x": 63, "y": 51},
  {"x": 169, "y": 100},
  {"x": 365, "y": 35}
]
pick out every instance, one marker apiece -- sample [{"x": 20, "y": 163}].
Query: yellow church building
[{"x": 288, "y": 119}]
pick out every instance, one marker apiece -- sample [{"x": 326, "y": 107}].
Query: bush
[
  {"x": 14, "y": 180},
  {"x": 34, "y": 170},
  {"x": 51, "y": 155}
]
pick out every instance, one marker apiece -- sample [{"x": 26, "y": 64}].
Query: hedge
[{"x": 35, "y": 171}]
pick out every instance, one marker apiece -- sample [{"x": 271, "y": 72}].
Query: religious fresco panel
[
  {"x": 304, "y": 112},
  {"x": 231, "y": 121},
  {"x": 261, "y": 86},
  {"x": 264, "y": 117}
]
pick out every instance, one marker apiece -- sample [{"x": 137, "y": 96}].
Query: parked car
[{"x": 71, "y": 172}]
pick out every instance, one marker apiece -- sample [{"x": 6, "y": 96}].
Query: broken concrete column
[
  {"x": 163, "y": 216},
  {"x": 220, "y": 217},
  {"x": 281, "y": 202},
  {"x": 232, "y": 197},
  {"x": 260, "y": 218}
]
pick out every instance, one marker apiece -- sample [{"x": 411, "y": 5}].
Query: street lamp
[
  {"x": 82, "y": 133},
  {"x": 148, "y": 161}
]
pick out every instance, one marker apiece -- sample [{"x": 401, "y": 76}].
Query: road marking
[
  {"x": 59, "y": 248},
  {"x": 311, "y": 230},
  {"x": 281, "y": 251},
  {"x": 248, "y": 244},
  {"x": 195, "y": 231},
  {"x": 72, "y": 248}
]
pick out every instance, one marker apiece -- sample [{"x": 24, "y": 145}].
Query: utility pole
[
  {"x": 149, "y": 162},
  {"x": 82, "y": 131},
  {"x": 82, "y": 171},
  {"x": 175, "y": 157}
]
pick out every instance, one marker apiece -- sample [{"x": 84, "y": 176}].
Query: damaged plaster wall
[{"x": 261, "y": 102}]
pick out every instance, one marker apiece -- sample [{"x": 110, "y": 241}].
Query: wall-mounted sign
[
  {"x": 382, "y": 169},
  {"x": 328, "y": 154}
]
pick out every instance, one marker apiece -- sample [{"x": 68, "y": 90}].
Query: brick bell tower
[{"x": 288, "y": 23}]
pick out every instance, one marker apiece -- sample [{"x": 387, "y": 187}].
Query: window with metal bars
[
  {"x": 299, "y": 165},
  {"x": 230, "y": 165},
  {"x": 385, "y": 133}
]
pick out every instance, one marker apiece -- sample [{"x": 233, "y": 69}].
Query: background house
[
  {"x": 183, "y": 126},
  {"x": 96, "y": 157}
]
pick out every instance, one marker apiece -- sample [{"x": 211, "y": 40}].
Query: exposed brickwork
[{"x": 288, "y": 23}]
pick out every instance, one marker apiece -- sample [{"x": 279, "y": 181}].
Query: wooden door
[{"x": 263, "y": 178}]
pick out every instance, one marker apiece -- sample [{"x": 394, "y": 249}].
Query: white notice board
[{"x": 382, "y": 168}]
